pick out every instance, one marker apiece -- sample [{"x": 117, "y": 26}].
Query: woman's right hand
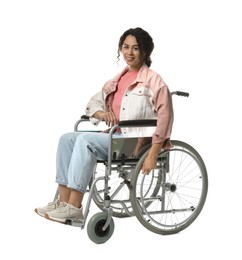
[{"x": 109, "y": 118}]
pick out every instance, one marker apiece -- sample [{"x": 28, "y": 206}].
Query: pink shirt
[{"x": 125, "y": 81}]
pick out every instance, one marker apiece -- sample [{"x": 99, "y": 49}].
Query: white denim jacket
[{"x": 147, "y": 97}]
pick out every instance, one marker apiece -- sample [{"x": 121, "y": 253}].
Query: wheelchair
[{"x": 166, "y": 201}]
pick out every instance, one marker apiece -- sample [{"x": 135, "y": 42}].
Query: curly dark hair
[{"x": 144, "y": 40}]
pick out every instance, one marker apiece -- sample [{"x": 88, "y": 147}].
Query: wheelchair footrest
[{"x": 75, "y": 222}]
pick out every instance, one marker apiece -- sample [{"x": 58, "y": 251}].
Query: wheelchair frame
[{"x": 166, "y": 201}]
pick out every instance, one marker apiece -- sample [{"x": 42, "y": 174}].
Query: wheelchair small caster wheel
[{"x": 95, "y": 228}]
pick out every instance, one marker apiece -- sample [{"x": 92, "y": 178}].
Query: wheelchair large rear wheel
[{"x": 172, "y": 196}]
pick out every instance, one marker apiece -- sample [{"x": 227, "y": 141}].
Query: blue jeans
[{"x": 77, "y": 154}]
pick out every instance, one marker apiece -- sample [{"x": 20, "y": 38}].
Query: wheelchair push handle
[{"x": 180, "y": 93}]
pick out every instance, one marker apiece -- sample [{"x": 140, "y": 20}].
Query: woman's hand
[
  {"x": 109, "y": 118},
  {"x": 149, "y": 164},
  {"x": 151, "y": 159}
]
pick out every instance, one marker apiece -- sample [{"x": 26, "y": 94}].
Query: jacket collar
[{"x": 141, "y": 77}]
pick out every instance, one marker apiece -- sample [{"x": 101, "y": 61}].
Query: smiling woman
[
  {"x": 131, "y": 53},
  {"x": 136, "y": 46},
  {"x": 136, "y": 93}
]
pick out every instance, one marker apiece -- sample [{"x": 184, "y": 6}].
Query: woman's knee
[
  {"x": 68, "y": 138},
  {"x": 96, "y": 143}
]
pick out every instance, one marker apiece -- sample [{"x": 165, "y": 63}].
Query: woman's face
[{"x": 131, "y": 53}]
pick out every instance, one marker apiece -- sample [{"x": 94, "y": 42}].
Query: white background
[{"x": 55, "y": 54}]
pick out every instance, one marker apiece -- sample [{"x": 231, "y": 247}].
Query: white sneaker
[
  {"x": 50, "y": 207},
  {"x": 64, "y": 213}
]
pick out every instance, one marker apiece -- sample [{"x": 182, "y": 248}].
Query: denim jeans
[{"x": 77, "y": 154}]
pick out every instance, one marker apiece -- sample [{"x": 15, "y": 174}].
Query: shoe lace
[
  {"x": 61, "y": 207},
  {"x": 55, "y": 202}
]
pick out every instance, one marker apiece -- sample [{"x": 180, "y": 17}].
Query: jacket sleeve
[
  {"x": 164, "y": 109},
  {"x": 96, "y": 103}
]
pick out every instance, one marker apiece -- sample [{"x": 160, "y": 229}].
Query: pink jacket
[{"x": 147, "y": 97}]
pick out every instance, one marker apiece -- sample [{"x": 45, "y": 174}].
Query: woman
[{"x": 136, "y": 93}]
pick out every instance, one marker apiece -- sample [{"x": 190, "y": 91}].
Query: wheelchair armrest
[
  {"x": 82, "y": 119},
  {"x": 123, "y": 123},
  {"x": 140, "y": 122},
  {"x": 85, "y": 117}
]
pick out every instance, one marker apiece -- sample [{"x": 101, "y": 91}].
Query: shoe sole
[
  {"x": 36, "y": 211},
  {"x": 62, "y": 221}
]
